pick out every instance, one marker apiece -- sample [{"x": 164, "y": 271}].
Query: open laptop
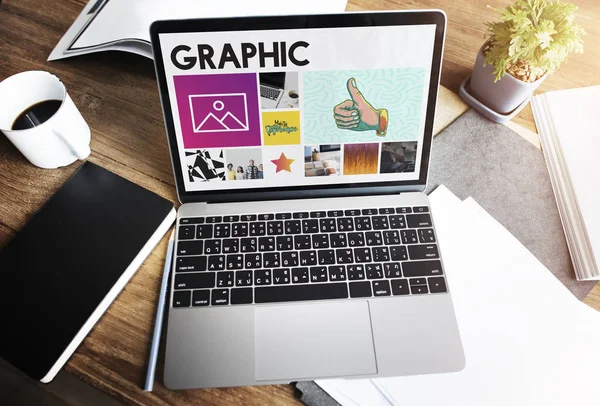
[
  {"x": 271, "y": 89},
  {"x": 305, "y": 245}
]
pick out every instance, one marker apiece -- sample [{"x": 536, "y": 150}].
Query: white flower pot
[{"x": 502, "y": 96}]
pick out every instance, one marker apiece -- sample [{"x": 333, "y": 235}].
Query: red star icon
[{"x": 283, "y": 163}]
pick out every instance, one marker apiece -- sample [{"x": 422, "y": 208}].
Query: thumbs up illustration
[{"x": 357, "y": 114}]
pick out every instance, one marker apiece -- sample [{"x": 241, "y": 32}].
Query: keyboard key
[
  {"x": 290, "y": 258},
  {"x": 381, "y": 288},
  {"x": 418, "y": 290},
  {"x": 308, "y": 258},
  {"x": 426, "y": 235},
  {"x": 281, "y": 276},
  {"x": 362, "y": 223},
  {"x": 243, "y": 278},
  {"x": 271, "y": 260},
  {"x": 338, "y": 240},
  {"x": 216, "y": 262},
  {"x": 266, "y": 217},
  {"x": 374, "y": 271},
  {"x": 214, "y": 219},
  {"x": 293, "y": 227},
  {"x": 403, "y": 210},
  {"x": 374, "y": 238},
  {"x": 380, "y": 254},
  {"x": 360, "y": 289},
  {"x": 437, "y": 284},
  {"x": 417, "y": 281},
  {"x": 300, "y": 215},
  {"x": 253, "y": 261},
  {"x": 356, "y": 272},
  {"x": 420, "y": 209},
  {"x": 258, "y": 228},
  {"x": 225, "y": 279},
  {"x": 239, "y": 230},
  {"x": 352, "y": 212},
  {"x": 326, "y": 257},
  {"x": 249, "y": 244},
  {"x": 182, "y": 299},
  {"x": 356, "y": 239},
  {"x": 387, "y": 210},
  {"x": 399, "y": 286},
  {"x": 235, "y": 261},
  {"x": 337, "y": 273},
  {"x": 249, "y": 217},
  {"x": 318, "y": 274},
  {"x": 299, "y": 275},
  {"x": 222, "y": 230},
  {"x": 292, "y": 293},
  {"x": 266, "y": 244},
  {"x": 418, "y": 220},
  {"x": 391, "y": 237},
  {"x": 362, "y": 255},
  {"x": 409, "y": 236},
  {"x": 192, "y": 220},
  {"x": 230, "y": 246},
  {"x": 204, "y": 231},
  {"x": 392, "y": 270},
  {"x": 344, "y": 256},
  {"x": 397, "y": 221},
  {"x": 283, "y": 216},
  {"x": 335, "y": 213},
  {"x": 302, "y": 242},
  {"x": 317, "y": 214},
  {"x": 262, "y": 277},
  {"x": 241, "y": 296},
  {"x": 422, "y": 268},
  {"x": 327, "y": 225},
  {"x": 320, "y": 241},
  {"x": 189, "y": 247},
  {"x": 380, "y": 223},
  {"x": 212, "y": 247},
  {"x": 310, "y": 226},
  {"x": 285, "y": 243},
  {"x": 186, "y": 232},
  {"x": 220, "y": 297},
  {"x": 200, "y": 297},
  {"x": 345, "y": 224},
  {"x": 423, "y": 251},
  {"x": 187, "y": 264},
  {"x": 398, "y": 253},
  {"x": 275, "y": 228},
  {"x": 201, "y": 280},
  {"x": 231, "y": 219},
  {"x": 369, "y": 212}
]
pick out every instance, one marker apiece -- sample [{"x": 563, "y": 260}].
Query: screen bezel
[{"x": 368, "y": 19}]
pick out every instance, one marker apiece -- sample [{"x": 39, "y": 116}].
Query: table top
[{"x": 118, "y": 97}]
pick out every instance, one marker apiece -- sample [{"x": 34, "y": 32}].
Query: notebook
[
  {"x": 70, "y": 261},
  {"x": 569, "y": 127}
]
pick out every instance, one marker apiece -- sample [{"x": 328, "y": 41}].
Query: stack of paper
[
  {"x": 569, "y": 127},
  {"x": 523, "y": 332}
]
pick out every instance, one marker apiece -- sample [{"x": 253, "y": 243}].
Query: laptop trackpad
[{"x": 315, "y": 340}]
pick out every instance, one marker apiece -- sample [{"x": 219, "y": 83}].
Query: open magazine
[{"x": 123, "y": 25}]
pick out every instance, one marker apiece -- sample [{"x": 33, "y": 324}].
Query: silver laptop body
[{"x": 327, "y": 273}]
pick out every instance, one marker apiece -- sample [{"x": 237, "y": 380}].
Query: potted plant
[{"x": 531, "y": 40}]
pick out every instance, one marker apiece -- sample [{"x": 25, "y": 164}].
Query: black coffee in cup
[{"x": 36, "y": 114}]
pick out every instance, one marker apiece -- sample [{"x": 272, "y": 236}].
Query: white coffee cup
[{"x": 58, "y": 141}]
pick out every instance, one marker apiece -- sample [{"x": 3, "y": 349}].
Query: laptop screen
[{"x": 298, "y": 107}]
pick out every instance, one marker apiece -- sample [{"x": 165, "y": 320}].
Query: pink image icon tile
[{"x": 218, "y": 111}]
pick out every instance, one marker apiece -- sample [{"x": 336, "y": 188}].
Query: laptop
[
  {"x": 271, "y": 89},
  {"x": 305, "y": 245}
]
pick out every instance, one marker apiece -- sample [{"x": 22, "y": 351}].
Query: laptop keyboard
[
  {"x": 317, "y": 255},
  {"x": 269, "y": 92}
]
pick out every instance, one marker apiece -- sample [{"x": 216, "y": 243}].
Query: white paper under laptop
[{"x": 123, "y": 25}]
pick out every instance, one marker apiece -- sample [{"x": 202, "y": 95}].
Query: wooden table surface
[{"x": 118, "y": 97}]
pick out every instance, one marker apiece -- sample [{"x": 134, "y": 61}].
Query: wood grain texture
[{"x": 117, "y": 95}]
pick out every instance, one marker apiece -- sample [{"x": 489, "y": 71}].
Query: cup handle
[{"x": 79, "y": 149}]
